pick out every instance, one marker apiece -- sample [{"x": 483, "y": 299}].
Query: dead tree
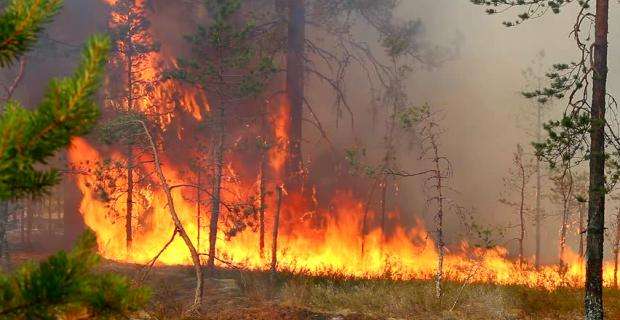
[
  {"x": 517, "y": 183},
  {"x": 175, "y": 217},
  {"x": 437, "y": 183}
]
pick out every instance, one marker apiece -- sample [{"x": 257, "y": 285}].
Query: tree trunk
[
  {"x": 365, "y": 217},
  {"x": 4, "y": 243},
  {"x": 383, "y": 209},
  {"x": 596, "y": 213},
  {"x": 129, "y": 203},
  {"x": 522, "y": 214},
  {"x": 617, "y": 249},
  {"x": 218, "y": 164},
  {"x": 582, "y": 208},
  {"x": 29, "y": 219},
  {"x": 198, "y": 211},
  {"x": 261, "y": 203},
  {"x": 177, "y": 222},
  {"x": 563, "y": 230},
  {"x": 276, "y": 229},
  {"x": 130, "y": 160},
  {"x": 295, "y": 88},
  {"x": 537, "y": 216},
  {"x": 50, "y": 224},
  {"x": 440, "y": 217}
]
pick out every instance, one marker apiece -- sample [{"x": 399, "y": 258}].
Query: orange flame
[{"x": 328, "y": 240}]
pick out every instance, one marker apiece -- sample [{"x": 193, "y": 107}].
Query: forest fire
[
  {"x": 333, "y": 247},
  {"x": 314, "y": 238}
]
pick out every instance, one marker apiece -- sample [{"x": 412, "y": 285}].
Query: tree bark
[
  {"x": 129, "y": 202},
  {"x": 218, "y": 159},
  {"x": 617, "y": 249},
  {"x": 522, "y": 211},
  {"x": 582, "y": 208},
  {"x": 4, "y": 243},
  {"x": 262, "y": 204},
  {"x": 276, "y": 227},
  {"x": 596, "y": 212},
  {"x": 538, "y": 214},
  {"x": 295, "y": 88},
  {"x": 198, "y": 211}
]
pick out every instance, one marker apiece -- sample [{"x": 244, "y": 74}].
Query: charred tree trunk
[
  {"x": 365, "y": 217},
  {"x": 596, "y": 212},
  {"x": 218, "y": 164},
  {"x": 198, "y": 211},
  {"x": 129, "y": 203},
  {"x": 130, "y": 161},
  {"x": 383, "y": 209},
  {"x": 262, "y": 206},
  {"x": 617, "y": 249},
  {"x": 295, "y": 87},
  {"x": 276, "y": 229}
]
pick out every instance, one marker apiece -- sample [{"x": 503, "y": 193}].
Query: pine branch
[
  {"x": 29, "y": 138},
  {"x": 20, "y": 25}
]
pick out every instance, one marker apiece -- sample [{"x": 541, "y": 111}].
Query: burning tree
[
  {"x": 517, "y": 183},
  {"x": 133, "y": 51},
  {"x": 231, "y": 69}
]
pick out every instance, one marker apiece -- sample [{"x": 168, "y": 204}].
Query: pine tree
[
  {"x": 230, "y": 67},
  {"x": 581, "y": 133}
]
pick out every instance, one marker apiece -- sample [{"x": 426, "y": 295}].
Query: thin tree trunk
[
  {"x": 365, "y": 217},
  {"x": 50, "y": 224},
  {"x": 538, "y": 213},
  {"x": 198, "y": 211},
  {"x": 177, "y": 222},
  {"x": 4, "y": 243},
  {"x": 130, "y": 160},
  {"x": 29, "y": 218},
  {"x": 440, "y": 217},
  {"x": 582, "y": 207},
  {"x": 295, "y": 87},
  {"x": 129, "y": 203},
  {"x": 217, "y": 187},
  {"x": 276, "y": 229},
  {"x": 617, "y": 249},
  {"x": 522, "y": 214},
  {"x": 261, "y": 203},
  {"x": 596, "y": 213},
  {"x": 22, "y": 222},
  {"x": 383, "y": 209}
]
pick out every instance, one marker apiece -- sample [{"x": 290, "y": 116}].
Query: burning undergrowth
[{"x": 323, "y": 225}]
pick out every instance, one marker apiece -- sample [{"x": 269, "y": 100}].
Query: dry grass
[{"x": 257, "y": 296}]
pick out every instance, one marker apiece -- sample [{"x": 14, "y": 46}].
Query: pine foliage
[
  {"x": 29, "y": 138},
  {"x": 66, "y": 283}
]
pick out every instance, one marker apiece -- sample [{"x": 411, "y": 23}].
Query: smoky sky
[{"x": 477, "y": 90}]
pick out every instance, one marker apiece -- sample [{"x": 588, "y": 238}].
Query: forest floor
[{"x": 240, "y": 295}]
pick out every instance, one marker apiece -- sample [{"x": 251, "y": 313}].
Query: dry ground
[{"x": 236, "y": 294}]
